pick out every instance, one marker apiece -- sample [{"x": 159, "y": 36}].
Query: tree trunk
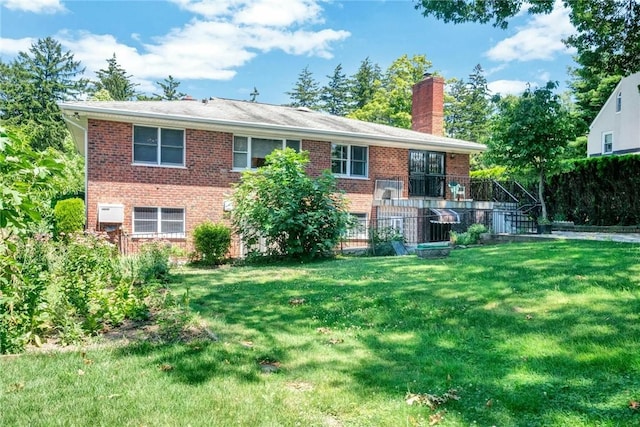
[{"x": 543, "y": 205}]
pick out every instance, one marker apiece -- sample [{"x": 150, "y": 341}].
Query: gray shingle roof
[{"x": 233, "y": 114}]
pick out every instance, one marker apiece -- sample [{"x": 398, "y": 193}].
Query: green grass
[{"x": 539, "y": 334}]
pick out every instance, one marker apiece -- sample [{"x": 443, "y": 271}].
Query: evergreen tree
[
  {"x": 335, "y": 95},
  {"x": 306, "y": 91},
  {"x": 32, "y": 84},
  {"x": 364, "y": 83},
  {"x": 468, "y": 108},
  {"x": 170, "y": 89},
  {"x": 116, "y": 81}
]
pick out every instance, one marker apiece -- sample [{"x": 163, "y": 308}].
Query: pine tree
[
  {"x": 468, "y": 108},
  {"x": 306, "y": 91},
  {"x": 116, "y": 81},
  {"x": 32, "y": 84},
  {"x": 170, "y": 89},
  {"x": 364, "y": 83},
  {"x": 335, "y": 95}
]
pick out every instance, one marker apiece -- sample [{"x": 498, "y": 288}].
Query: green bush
[
  {"x": 212, "y": 242},
  {"x": 69, "y": 216},
  {"x": 470, "y": 237}
]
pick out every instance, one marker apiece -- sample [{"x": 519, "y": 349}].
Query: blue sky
[{"x": 224, "y": 48}]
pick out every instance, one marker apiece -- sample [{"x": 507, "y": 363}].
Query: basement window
[{"x": 158, "y": 222}]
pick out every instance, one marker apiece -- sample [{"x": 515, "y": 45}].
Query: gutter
[{"x": 86, "y": 167}]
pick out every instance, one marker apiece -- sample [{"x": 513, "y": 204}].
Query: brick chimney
[{"x": 427, "y": 107}]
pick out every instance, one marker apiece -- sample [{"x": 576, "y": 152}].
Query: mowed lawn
[{"x": 527, "y": 334}]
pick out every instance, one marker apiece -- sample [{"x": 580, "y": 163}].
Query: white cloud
[
  {"x": 11, "y": 47},
  {"x": 507, "y": 87},
  {"x": 224, "y": 36},
  {"x": 540, "y": 39},
  {"x": 34, "y": 6}
]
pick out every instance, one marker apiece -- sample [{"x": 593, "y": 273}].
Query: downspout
[{"x": 86, "y": 166}]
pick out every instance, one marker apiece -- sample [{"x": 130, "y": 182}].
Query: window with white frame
[
  {"x": 154, "y": 221},
  {"x": 607, "y": 142},
  {"x": 619, "y": 102},
  {"x": 250, "y": 152},
  {"x": 349, "y": 160},
  {"x": 158, "y": 146}
]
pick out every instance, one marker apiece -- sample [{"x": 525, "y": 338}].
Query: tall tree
[
  {"x": 306, "y": 91},
  {"x": 32, "y": 84},
  {"x": 530, "y": 133},
  {"x": 468, "y": 108},
  {"x": 335, "y": 95},
  {"x": 115, "y": 80},
  {"x": 364, "y": 83},
  {"x": 170, "y": 89},
  {"x": 391, "y": 102},
  {"x": 607, "y": 40}
]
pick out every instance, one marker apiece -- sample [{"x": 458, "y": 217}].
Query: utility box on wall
[{"x": 112, "y": 214}]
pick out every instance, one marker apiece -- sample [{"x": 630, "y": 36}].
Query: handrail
[{"x": 504, "y": 190}]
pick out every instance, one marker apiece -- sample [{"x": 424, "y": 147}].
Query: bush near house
[
  {"x": 69, "y": 216},
  {"x": 212, "y": 242},
  {"x": 598, "y": 191}
]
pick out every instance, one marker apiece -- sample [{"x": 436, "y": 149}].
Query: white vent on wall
[
  {"x": 113, "y": 214},
  {"x": 388, "y": 189}
]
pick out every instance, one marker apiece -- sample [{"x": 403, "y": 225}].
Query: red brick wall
[{"x": 204, "y": 183}]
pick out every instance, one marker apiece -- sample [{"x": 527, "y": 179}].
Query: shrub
[
  {"x": 212, "y": 242},
  {"x": 69, "y": 216},
  {"x": 470, "y": 237}
]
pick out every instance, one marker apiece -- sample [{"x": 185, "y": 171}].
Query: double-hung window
[
  {"x": 154, "y": 221},
  {"x": 349, "y": 160},
  {"x": 250, "y": 152},
  {"x": 607, "y": 143},
  {"x": 158, "y": 146}
]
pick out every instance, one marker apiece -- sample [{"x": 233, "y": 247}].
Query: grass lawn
[{"x": 527, "y": 334}]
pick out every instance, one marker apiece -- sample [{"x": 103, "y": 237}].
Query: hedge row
[{"x": 598, "y": 191}]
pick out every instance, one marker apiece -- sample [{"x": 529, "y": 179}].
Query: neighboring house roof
[
  {"x": 633, "y": 78},
  {"x": 265, "y": 119}
]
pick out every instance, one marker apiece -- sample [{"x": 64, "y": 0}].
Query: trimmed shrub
[
  {"x": 469, "y": 237},
  {"x": 69, "y": 216},
  {"x": 212, "y": 242}
]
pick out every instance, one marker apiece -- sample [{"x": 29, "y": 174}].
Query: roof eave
[{"x": 430, "y": 141}]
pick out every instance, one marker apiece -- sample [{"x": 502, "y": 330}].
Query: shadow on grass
[{"x": 528, "y": 334}]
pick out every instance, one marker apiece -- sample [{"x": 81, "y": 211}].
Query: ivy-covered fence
[{"x": 598, "y": 191}]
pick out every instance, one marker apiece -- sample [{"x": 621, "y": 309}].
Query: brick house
[{"x": 158, "y": 169}]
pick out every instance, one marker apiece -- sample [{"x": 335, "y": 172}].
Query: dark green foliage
[
  {"x": 364, "y": 83},
  {"x": 598, "y": 191},
  {"x": 115, "y": 80},
  {"x": 212, "y": 242},
  {"x": 295, "y": 214},
  {"x": 69, "y": 215},
  {"x": 169, "y": 89},
  {"x": 306, "y": 91},
  {"x": 335, "y": 95},
  {"x": 468, "y": 108},
  {"x": 32, "y": 84}
]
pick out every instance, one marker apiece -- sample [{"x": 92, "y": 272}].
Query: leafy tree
[
  {"x": 115, "y": 80},
  {"x": 32, "y": 84},
  {"x": 391, "y": 102},
  {"x": 297, "y": 215},
  {"x": 170, "y": 89},
  {"x": 306, "y": 91},
  {"x": 607, "y": 40},
  {"x": 531, "y": 132},
  {"x": 101, "y": 95},
  {"x": 364, "y": 83},
  {"x": 335, "y": 95}
]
